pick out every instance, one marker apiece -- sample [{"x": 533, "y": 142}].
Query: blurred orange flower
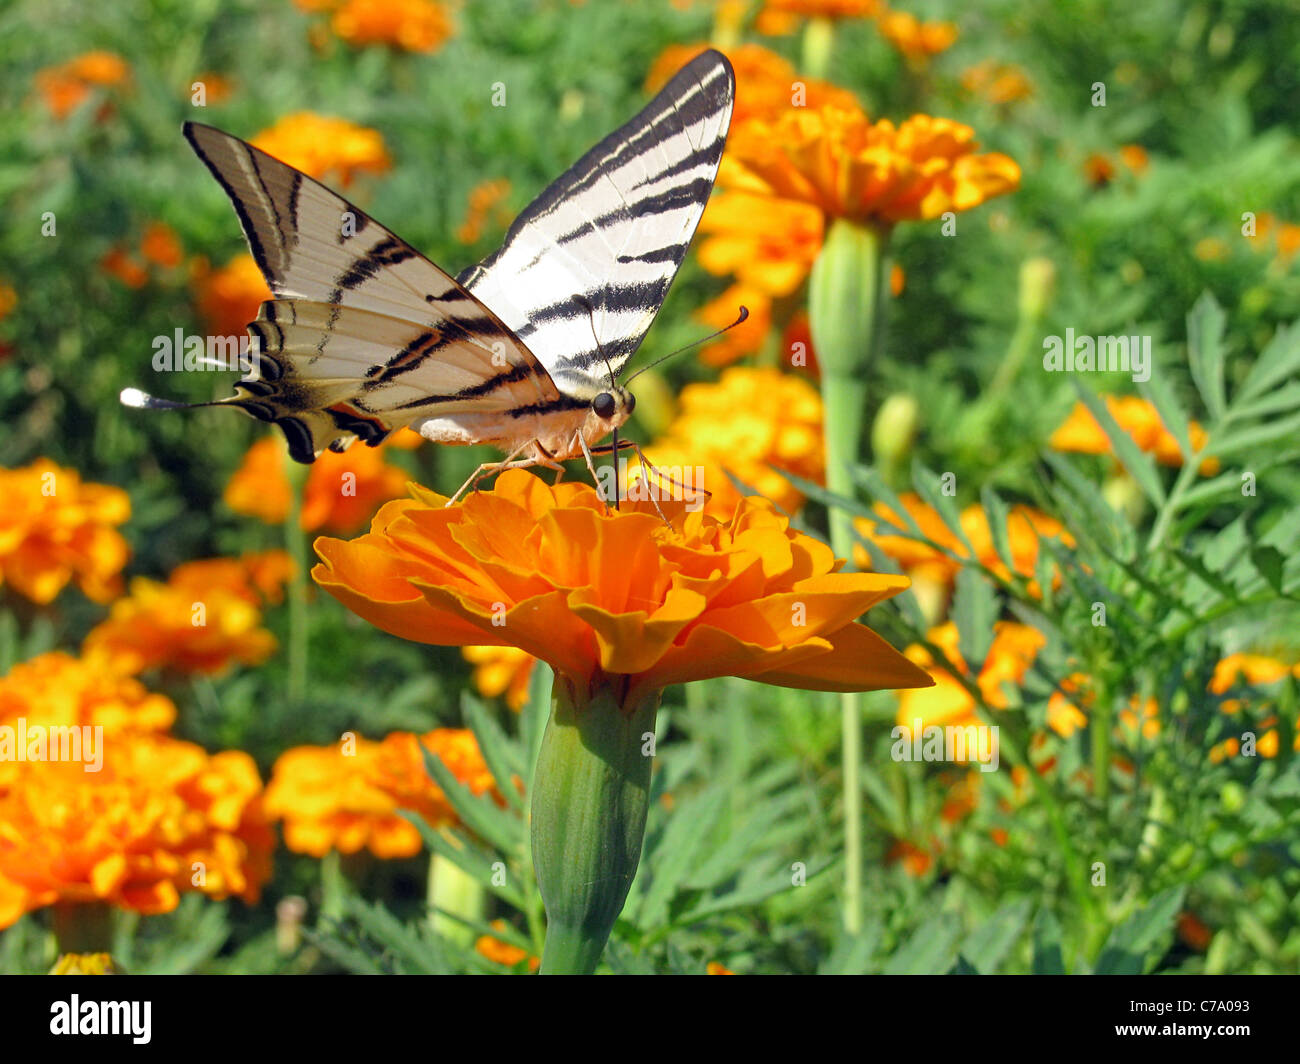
[
  {"x": 503, "y": 953},
  {"x": 55, "y": 527},
  {"x": 748, "y": 421},
  {"x": 161, "y": 816},
  {"x": 1012, "y": 652},
  {"x": 413, "y": 25},
  {"x": 851, "y": 168},
  {"x": 229, "y": 297},
  {"x": 124, "y": 267},
  {"x": 597, "y": 593},
  {"x": 160, "y": 245},
  {"x": 321, "y": 146},
  {"x": 347, "y": 796},
  {"x": 1080, "y": 432},
  {"x": 999, "y": 83},
  {"x": 342, "y": 492},
  {"x": 1269, "y": 233},
  {"x": 485, "y": 198},
  {"x": 779, "y": 17},
  {"x": 1100, "y": 169},
  {"x": 767, "y": 84},
  {"x": 64, "y": 86},
  {"x": 746, "y": 338},
  {"x": 918, "y": 41},
  {"x": 187, "y": 624},
  {"x": 57, "y": 690},
  {"x": 501, "y": 671},
  {"x": 257, "y": 577},
  {"x": 1025, "y": 527},
  {"x": 1250, "y": 669},
  {"x": 768, "y": 244}
]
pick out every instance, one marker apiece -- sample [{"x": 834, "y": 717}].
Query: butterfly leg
[{"x": 511, "y": 461}]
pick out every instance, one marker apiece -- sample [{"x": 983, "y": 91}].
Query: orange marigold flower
[
  {"x": 1269, "y": 233},
  {"x": 228, "y": 298},
  {"x": 160, "y": 817},
  {"x": 767, "y": 84},
  {"x": 768, "y": 244},
  {"x": 1080, "y": 432},
  {"x": 217, "y": 87},
  {"x": 343, "y": 490},
  {"x": 1064, "y": 715},
  {"x": 66, "y": 85},
  {"x": 779, "y": 17},
  {"x": 747, "y": 422},
  {"x": 55, "y": 527},
  {"x": 320, "y": 146},
  {"x": 257, "y": 577},
  {"x": 8, "y": 300},
  {"x": 918, "y": 41},
  {"x": 1254, "y": 670},
  {"x": 714, "y": 968},
  {"x": 84, "y": 964},
  {"x": 915, "y": 860},
  {"x": 851, "y": 168},
  {"x": 598, "y": 593},
  {"x": 500, "y": 671},
  {"x": 346, "y": 796},
  {"x": 187, "y": 624},
  {"x": 1100, "y": 169},
  {"x": 57, "y": 690},
  {"x": 160, "y": 245},
  {"x": 1025, "y": 528},
  {"x": 504, "y": 953},
  {"x": 1142, "y": 714},
  {"x": 746, "y": 338},
  {"x": 125, "y": 268},
  {"x": 999, "y": 83},
  {"x": 1012, "y": 652},
  {"x": 414, "y": 25},
  {"x": 485, "y": 197}
]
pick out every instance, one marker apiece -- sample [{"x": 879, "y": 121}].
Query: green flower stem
[
  {"x": 83, "y": 927},
  {"x": 590, "y": 794},
  {"x": 295, "y": 542},
  {"x": 456, "y": 901},
  {"x": 846, "y": 301}
]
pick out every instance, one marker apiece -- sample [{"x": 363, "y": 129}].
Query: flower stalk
[
  {"x": 846, "y": 298},
  {"x": 590, "y": 795},
  {"x": 296, "y": 545}
]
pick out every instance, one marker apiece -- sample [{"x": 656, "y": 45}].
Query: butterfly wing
[
  {"x": 585, "y": 268},
  {"x": 365, "y": 334}
]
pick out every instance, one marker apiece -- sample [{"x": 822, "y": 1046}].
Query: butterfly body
[{"x": 522, "y": 351}]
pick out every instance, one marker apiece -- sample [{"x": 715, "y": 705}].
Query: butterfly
[{"x": 523, "y": 350}]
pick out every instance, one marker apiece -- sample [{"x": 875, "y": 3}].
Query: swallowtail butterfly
[{"x": 365, "y": 335}]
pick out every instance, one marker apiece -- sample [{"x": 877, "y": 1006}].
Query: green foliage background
[{"x": 1190, "y": 569}]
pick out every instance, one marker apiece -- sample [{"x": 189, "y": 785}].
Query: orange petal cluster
[
  {"x": 501, "y": 671},
  {"x": 342, "y": 492},
  {"x": 64, "y": 86},
  {"x": 601, "y": 594},
  {"x": 849, "y": 167},
  {"x": 56, "y": 528},
  {"x": 320, "y": 146},
  {"x": 347, "y": 796},
  {"x": 196, "y": 622},
  {"x": 160, "y": 817},
  {"x": 1025, "y": 528},
  {"x": 1082, "y": 434},
  {"x": 748, "y": 421}
]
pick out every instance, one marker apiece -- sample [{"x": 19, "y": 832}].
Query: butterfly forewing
[
  {"x": 585, "y": 268},
  {"x": 366, "y": 334}
]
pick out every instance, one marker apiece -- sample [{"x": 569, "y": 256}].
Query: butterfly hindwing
[
  {"x": 585, "y": 268},
  {"x": 366, "y": 335}
]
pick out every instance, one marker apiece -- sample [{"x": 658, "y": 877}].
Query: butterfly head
[{"x": 612, "y": 407}]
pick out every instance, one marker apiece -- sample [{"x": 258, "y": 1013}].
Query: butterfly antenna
[
  {"x": 144, "y": 401},
  {"x": 742, "y": 316}
]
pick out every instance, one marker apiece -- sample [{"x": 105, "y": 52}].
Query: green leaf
[
  {"x": 681, "y": 845},
  {"x": 988, "y": 945},
  {"x": 480, "y": 814},
  {"x": 1129, "y": 944},
  {"x": 931, "y": 950},
  {"x": 503, "y": 757},
  {"x": 1279, "y": 360},
  {"x": 1162, "y": 397},
  {"x": 963, "y": 967},
  {"x": 470, "y": 858},
  {"x": 1269, "y": 562},
  {"x": 1205, "y": 352},
  {"x": 995, "y": 509},
  {"x": 1257, "y": 438},
  {"x": 854, "y": 954},
  {"x": 532, "y": 724},
  {"x": 1047, "y": 944},
  {"x": 421, "y": 954},
  {"x": 975, "y": 607},
  {"x": 928, "y": 486},
  {"x": 1141, "y": 467}
]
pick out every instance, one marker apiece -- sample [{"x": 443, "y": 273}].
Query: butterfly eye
[
  {"x": 604, "y": 405},
  {"x": 631, "y": 402}
]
